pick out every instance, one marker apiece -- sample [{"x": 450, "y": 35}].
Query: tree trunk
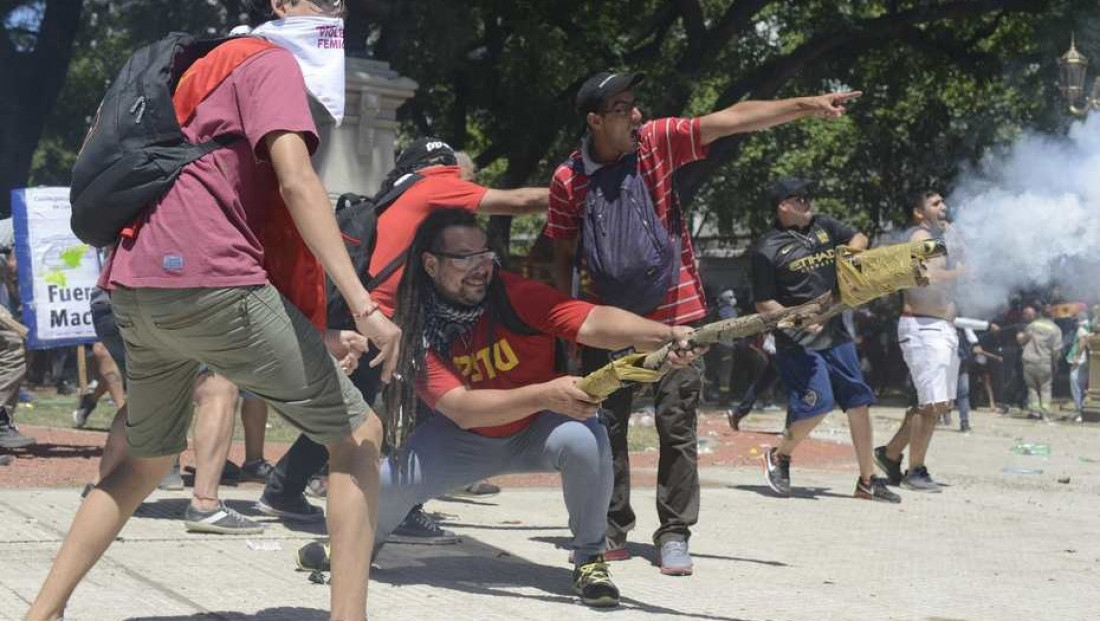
[{"x": 34, "y": 79}]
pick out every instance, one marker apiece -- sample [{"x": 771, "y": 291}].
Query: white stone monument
[{"x": 356, "y": 156}]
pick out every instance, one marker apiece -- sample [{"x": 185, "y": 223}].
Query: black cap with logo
[
  {"x": 603, "y": 86},
  {"x": 786, "y": 187},
  {"x": 425, "y": 152}
]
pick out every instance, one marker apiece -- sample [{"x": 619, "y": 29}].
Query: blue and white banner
[{"x": 57, "y": 271}]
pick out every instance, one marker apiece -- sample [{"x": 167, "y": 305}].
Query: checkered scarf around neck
[{"x": 444, "y": 321}]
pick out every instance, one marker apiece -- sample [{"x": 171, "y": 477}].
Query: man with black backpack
[
  {"x": 378, "y": 231},
  {"x": 478, "y": 367},
  {"x": 616, "y": 194},
  {"x": 189, "y": 283}
]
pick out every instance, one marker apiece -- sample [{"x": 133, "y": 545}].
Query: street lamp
[{"x": 1073, "y": 67}]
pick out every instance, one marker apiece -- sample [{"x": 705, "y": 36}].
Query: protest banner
[{"x": 57, "y": 272}]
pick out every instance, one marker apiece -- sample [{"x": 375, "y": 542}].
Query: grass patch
[
  {"x": 52, "y": 410},
  {"x": 57, "y": 411},
  {"x": 640, "y": 438}
]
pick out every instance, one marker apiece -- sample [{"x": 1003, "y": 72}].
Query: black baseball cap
[
  {"x": 603, "y": 86},
  {"x": 786, "y": 187},
  {"x": 426, "y": 152}
]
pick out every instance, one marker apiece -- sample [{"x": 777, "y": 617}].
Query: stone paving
[{"x": 995, "y": 545}]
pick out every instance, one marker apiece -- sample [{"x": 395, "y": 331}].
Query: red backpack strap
[{"x": 207, "y": 73}]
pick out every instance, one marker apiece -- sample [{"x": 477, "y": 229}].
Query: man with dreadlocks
[
  {"x": 441, "y": 183},
  {"x": 481, "y": 356}
]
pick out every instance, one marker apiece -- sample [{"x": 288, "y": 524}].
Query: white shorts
[{"x": 931, "y": 350}]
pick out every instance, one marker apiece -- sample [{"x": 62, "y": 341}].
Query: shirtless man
[{"x": 929, "y": 344}]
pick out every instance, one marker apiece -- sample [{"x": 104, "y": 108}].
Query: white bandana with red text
[{"x": 318, "y": 45}]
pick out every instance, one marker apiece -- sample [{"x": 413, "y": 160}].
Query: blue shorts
[{"x": 818, "y": 380}]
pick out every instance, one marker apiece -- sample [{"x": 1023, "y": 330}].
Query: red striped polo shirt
[{"x": 664, "y": 145}]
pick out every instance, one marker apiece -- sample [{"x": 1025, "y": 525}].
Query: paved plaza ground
[{"x": 1001, "y": 542}]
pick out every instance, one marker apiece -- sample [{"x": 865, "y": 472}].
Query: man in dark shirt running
[{"x": 794, "y": 263}]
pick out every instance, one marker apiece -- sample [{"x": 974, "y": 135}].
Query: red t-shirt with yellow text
[{"x": 493, "y": 357}]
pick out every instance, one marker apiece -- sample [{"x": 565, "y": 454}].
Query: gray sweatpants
[{"x": 439, "y": 456}]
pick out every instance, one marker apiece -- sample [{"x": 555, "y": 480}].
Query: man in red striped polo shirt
[{"x": 615, "y": 132}]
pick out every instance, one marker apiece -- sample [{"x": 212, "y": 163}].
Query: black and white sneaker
[
  {"x": 419, "y": 528},
  {"x": 918, "y": 480},
  {"x": 875, "y": 491},
  {"x": 889, "y": 467},
  {"x": 256, "y": 470},
  {"x": 83, "y": 411},
  {"x": 222, "y": 521},
  {"x": 295, "y": 510},
  {"x": 777, "y": 471}
]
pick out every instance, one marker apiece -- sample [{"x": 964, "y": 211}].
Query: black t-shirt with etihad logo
[{"x": 793, "y": 266}]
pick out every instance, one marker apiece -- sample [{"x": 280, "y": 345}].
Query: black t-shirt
[{"x": 793, "y": 266}]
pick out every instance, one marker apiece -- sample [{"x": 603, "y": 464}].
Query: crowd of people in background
[{"x": 991, "y": 374}]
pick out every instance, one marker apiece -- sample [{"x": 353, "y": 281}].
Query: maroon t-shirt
[{"x": 204, "y": 231}]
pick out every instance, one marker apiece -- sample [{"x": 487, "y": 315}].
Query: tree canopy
[{"x": 944, "y": 82}]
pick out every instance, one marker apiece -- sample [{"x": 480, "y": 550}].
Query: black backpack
[
  {"x": 631, "y": 257},
  {"x": 135, "y": 148},
  {"x": 357, "y": 216}
]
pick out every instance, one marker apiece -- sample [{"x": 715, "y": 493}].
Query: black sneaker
[
  {"x": 918, "y": 480},
  {"x": 734, "y": 416},
  {"x": 419, "y": 528},
  {"x": 889, "y": 467},
  {"x": 297, "y": 509},
  {"x": 256, "y": 470},
  {"x": 314, "y": 556},
  {"x": 964, "y": 427},
  {"x": 592, "y": 582},
  {"x": 223, "y": 521},
  {"x": 83, "y": 411},
  {"x": 10, "y": 438},
  {"x": 777, "y": 471},
  {"x": 231, "y": 473},
  {"x": 875, "y": 491}
]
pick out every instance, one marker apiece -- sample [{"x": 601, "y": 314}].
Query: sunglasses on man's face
[{"x": 469, "y": 260}]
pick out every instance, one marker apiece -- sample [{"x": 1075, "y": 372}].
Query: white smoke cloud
[{"x": 1030, "y": 216}]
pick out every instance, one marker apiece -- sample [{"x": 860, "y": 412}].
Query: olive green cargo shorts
[{"x": 251, "y": 336}]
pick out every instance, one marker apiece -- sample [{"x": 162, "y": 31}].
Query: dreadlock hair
[{"x": 413, "y": 293}]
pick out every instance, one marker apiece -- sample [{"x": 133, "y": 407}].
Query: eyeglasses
[
  {"x": 801, "y": 199},
  {"x": 625, "y": 108},
  {"x": 469, "y": 260}
]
